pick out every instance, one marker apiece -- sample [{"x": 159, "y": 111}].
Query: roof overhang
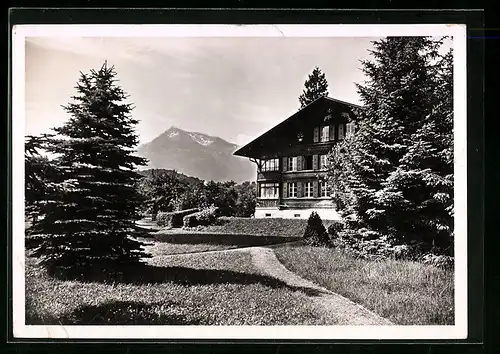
[{"x": 256, "y": 148}]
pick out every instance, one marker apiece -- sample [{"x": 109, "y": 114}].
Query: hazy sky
[{"x": 235, "y": 88}]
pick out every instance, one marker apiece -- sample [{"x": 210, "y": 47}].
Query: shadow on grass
[
  {"x": 222, "y": 239},
  {"x": 116, "y": 313},
  {"x": 148, "y": 274}
]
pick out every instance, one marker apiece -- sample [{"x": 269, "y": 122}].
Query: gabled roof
[{"x": 246, "y": 150}]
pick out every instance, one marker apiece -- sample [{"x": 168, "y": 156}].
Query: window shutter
[
  {"x": 331, "y": 133},
  {"x": 300, "y": 190},
  {"x": 285, "y": 190},
  {"x": 285, "y": 164},
  {"x": 299, "y": 163},
  {"x": 316, "y": 135},
  {"x": 315, "y": 189},
  {"x": 315, "y": 162}
]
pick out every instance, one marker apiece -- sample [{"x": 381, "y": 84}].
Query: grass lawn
[
  {"x": 234, "y": 233},
  {"x": 203, "y": 289},
  {"x": 407, "y": 293},
  {"x": 168, "y": 248}
]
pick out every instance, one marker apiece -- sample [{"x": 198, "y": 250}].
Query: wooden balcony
[
  {"x": 276, "y": 176},
  {"x": 309, "y": 174},
  {"x": 268, "y": 176},
  {"x": 298, "y": 203},
  {"x": 267, "y": 203},
  {"x": 309, "y": 149}
]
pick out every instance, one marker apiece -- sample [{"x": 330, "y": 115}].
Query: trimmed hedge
[
  {"x": 261, "y": 227},
  {"x": 202, "y": 218},
  {"x": 175, "y": 218}
]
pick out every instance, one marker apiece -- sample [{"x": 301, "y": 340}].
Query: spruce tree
[
  {"x": 37, "y": 170},
  {"x": 385, "y": 172},
  {"x": 315, "y": 233},
  {"x": 316, "y": 86},
  {"x": 425, "y": 175},
  {"x": 89, "y": 217}
]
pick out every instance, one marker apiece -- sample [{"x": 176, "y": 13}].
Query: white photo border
[{"x": 457, "y": 331}]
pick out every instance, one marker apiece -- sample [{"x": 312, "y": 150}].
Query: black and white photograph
[{"x": 242, "y": 182}]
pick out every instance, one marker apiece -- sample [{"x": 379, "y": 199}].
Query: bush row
[
  {"x": 205, "y": 217},
  {"x": 175, "y": 218},
  {"x": 364, "y": 244}
]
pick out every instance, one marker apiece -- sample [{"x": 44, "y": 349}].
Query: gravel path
[
  {"x": 344, "y": 310},
  {"x": 341, "y": 309}
]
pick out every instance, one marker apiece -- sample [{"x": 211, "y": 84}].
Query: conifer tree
[
  {"x": 316, "y": 86},
  {"x": 425, "y": 175},
  {"x": 315, "y": 233},
  {"x": 37, "y": 171},
  {"x": 90, "y": 214},
  {"x": 393, "y": 176}
]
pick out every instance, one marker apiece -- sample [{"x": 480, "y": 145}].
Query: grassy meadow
[
  {"x": 210, "y": 289},
  {"x": 407, "y": 293},
  {"x": 225, "y": 288}
]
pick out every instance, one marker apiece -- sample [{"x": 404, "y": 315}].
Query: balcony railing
[
  {"x": 307, "y": 203},
  {"x": 268, "y": 175},
  {"x": 267, "y": 203},
  {"x": 290, "y": 175}
]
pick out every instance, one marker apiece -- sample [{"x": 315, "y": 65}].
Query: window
[
  {"x": 292, "y": 164},
  {"x": 270, "y": 165},
  {"x": 292, "y": 190},
  {"x": 269, "y": 190},
  {"x": 323, "y": 189},
  {"x": 268, "y": 215},
  {"x": 296, "y": 215},
  {"x": 349, "y": 129},
  {"x": 308, "y": 162},
  {"x": 308, "y": 190},
  {"x": 341, "y": 131},
  {"x": 325, "y": 133},
  {"x": 323, "y": 162}
]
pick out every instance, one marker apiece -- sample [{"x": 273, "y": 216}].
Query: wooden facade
[{"x": 291, "y": 157}]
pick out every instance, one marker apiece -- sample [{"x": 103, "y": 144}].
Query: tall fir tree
[
  {"x": 316, "y": 86},
  {"x": 425, "y": 175},
  {"x": 37, "y": 175},
  {"x": 393, "y": 177},
  {"x": 89, "y": 218}
]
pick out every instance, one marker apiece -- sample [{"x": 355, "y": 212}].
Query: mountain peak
[
  {"x": 196, "y": 154},
  {"x": 200, "y": 138}
]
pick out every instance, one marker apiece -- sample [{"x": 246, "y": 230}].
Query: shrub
[
  {"x": 315, "y": 234},
  {"x": 439, "y": 261},
  {"x": 334, "y": 229},
  {"x": 175, "y": 218},
  {"x": 205, "y": 217}
]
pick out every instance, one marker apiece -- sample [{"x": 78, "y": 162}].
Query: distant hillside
[
  {"x": 198, "y": 155},
  {"x": 182, "y": 177}
]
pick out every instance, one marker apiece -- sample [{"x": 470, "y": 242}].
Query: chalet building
[{"x": 291, "y": 160}]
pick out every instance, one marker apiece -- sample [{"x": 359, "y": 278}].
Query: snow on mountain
[{"x": 198, "y": 155}]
